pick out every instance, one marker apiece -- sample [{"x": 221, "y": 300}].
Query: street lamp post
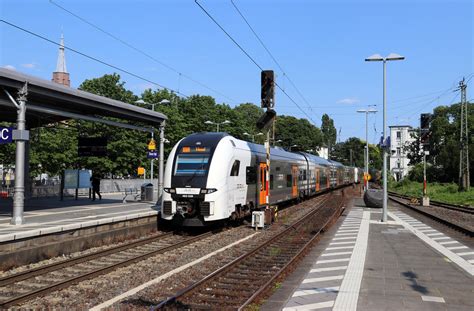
[
  {"x": 218, "y": 123},
  {"x": 253, "y": 135},
  {"x": 366, "y": 111},
  {"x": 378, "y": 58}
]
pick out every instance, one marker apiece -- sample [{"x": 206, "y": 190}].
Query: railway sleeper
[
  {"x": 221, "y": 300},
  {"x": 245, "y": 276},
  {"x": 219, "y": 292},
  {"x": 229, "y": 305},
  {"x": 232, "y": 286},
  {"x": 225, "y": 281}
]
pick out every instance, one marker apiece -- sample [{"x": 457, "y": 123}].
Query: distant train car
[{"x": 213, "y": 177}]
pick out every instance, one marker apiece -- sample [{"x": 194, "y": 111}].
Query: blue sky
[{"x": 320, "y": 44}]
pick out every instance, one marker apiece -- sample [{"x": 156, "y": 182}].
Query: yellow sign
[
  {"x": 152, "y": 145},
  {"x": 141, "y": 170},
  {"x": 367, "y": 176}
]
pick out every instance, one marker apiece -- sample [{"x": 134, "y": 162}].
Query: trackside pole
[
  {"x": 161, "y": 161},
  {"x": 267, "y": 147}
]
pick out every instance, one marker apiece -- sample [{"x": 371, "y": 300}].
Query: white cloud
[
  {"x": 9, "y": 67},
  {"x": 30, "y": 66},
  {"x": 349, "y": 100}
]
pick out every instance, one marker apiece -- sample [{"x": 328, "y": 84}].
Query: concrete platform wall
[{"x": 30, "y": 250}]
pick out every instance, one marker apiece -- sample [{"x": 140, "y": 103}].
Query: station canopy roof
[{"x": 49, "y": 102}]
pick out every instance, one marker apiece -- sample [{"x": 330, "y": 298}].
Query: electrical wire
[
  {"x": 251, "y": 58},
  {"x": 141, "y": 52},
  {"x": 271, "y": 55},
  {"x": 92, "y": 58}
]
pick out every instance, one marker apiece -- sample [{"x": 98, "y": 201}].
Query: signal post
[{"x": 266, "y": 122}]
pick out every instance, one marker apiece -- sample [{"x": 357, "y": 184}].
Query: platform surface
[
  {"x": 363, "y": 264},
  {"x": 50, "y": 215}
]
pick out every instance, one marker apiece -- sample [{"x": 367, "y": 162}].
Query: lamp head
[
  {"x": 374, "y": 58},
  {"x": 394, "y": 56}
]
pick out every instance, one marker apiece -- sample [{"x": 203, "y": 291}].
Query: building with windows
[{"x": 400, "y": 136}]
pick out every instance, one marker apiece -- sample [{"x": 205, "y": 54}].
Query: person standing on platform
[{"x": 95, "y": 186}]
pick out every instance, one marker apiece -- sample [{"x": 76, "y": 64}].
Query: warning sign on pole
[{"x": 152, "y": 145}]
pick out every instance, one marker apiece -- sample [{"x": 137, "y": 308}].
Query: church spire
[
  {"x": 61, "y": 64},
  {"x": 61, "y": 75}
]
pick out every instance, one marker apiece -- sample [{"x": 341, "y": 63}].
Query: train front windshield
[{"x": 188, "y": 164}]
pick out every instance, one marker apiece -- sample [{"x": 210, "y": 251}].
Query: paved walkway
[
  {"x": 44, "y": 216},
  {"x": 362, "y": 264}
]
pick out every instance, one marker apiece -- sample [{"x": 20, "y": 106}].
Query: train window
[
  {"x": 304, "y": 174},
  {"x": 235, "y": 168},
  {"x": 192, "y": 165},
  {"x": 289, "y": 180},
  {"x": 271, "y": 181},
  {"x": 277, "y": 168},
  {"x": 251, "y": 175}
]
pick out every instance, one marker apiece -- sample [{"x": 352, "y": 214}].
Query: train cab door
[
  {"x": 317, "y": 180},
  {"x": 263, "y": 184},
  {"x": 294, "y": 176}
]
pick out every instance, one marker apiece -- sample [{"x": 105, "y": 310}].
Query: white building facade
[{"x": 400, "y": 137}]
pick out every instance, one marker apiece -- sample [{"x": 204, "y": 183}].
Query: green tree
[
  {"x": 300, "y": 132},
  {"x": 126, "y": 148},
  {"x": 328, "y": 130}
]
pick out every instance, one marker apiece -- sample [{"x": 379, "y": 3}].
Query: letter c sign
[{"x": 6, "y": 135}]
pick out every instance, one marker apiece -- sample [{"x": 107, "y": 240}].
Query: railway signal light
[
  {"x": 266, "y": 119},
  {"x": 425, "y": 119},
  {"x": 268, "y": 89}
]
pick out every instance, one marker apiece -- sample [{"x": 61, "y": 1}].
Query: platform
[
  {"x": 50, "y": 215},
  {"x": 363, "y": 264}
]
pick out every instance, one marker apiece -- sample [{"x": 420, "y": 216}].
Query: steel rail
[
  {"x": 300, "y": 253},
  {"x": 454, "y": 207},
  {"x": 17, "y": 277},
  {"x": 457, "y": 227},
  {"x": 239, "y": 259},
  {"x": 66, "y": 283}
]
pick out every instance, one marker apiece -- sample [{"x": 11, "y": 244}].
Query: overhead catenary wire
[
  {"x": 251, "y": 58},
  {"x": 93, "y": 58},
  {"x": 142, "y": 52},
  {"x": 271, "y": 55}
]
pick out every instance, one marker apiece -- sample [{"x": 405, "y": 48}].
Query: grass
[{"x": 447, "y": 193}]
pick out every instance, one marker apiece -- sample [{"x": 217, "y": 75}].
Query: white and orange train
[{"x": 212, "y": 177}]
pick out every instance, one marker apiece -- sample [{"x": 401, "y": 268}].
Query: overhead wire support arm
[{"x": 12, "y": 99}]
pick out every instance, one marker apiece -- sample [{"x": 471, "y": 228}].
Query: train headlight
[
  {"x": 207, "y": 191},
  {"x": 169, "y": 190}
]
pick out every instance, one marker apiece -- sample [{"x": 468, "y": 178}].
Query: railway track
[
  {"x": 458, "y": 208},
  {"x": 447, "y": 221},
  {"x": 23, "y": 286},
  {"x": 246, "y": 278}
]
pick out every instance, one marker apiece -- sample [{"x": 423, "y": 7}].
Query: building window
[
  {"x": 399, "y": 135},
  {"x": 398, "y": 150},
  {"x": 398, "y": 164}
]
